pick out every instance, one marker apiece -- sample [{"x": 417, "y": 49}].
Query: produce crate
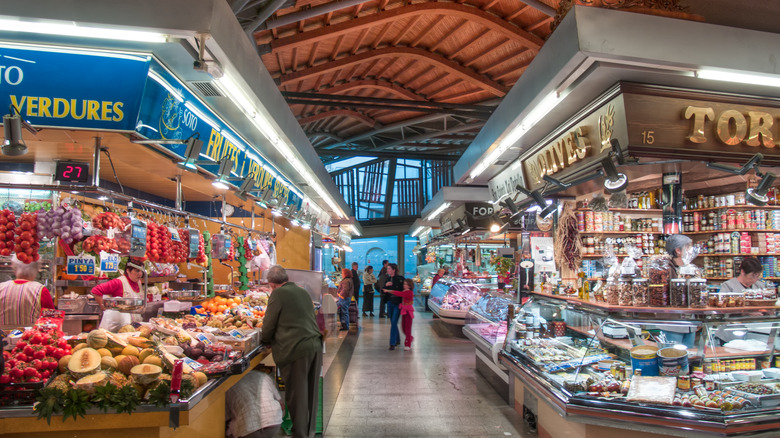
[
  {"x": 246, "y": 344},
  {"x": 21, "y": 394}
]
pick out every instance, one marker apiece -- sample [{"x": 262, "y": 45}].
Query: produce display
[
  {"x": 35, "y": 357},
  {"x": 7, "y": 227},
  {"x": 64, "y": 222},
  {"x": 26, "y": 239}
]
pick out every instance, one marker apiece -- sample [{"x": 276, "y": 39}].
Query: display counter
[
  {"x": 203, "y": 415},
  {"x": 602, "y": 369},
  {"x": 451, "y": 298},
  {"x": 486, "y": 326}
]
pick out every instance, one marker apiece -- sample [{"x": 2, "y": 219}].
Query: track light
[
  {"x": 758, "y": 196},
  {"x": 546, "y": 210},
  {"x": 576, "y": 182},
  {"x": 462, "y": 228},
  {"x": 753, "y": 162},
  {"x": 225, "y": 166},
  {"x": 246, "y": 186},
  {"x": 616, "y": 151},
  {"x": 14, "y": 144},
  {"x": 614, "y": 181},
  {"x": 510, "y": 204},
  {"x": 265, "y": 197},
  {"x": 192, "y": 151}
]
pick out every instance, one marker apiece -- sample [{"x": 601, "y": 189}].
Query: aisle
[{"x": 432, "y": 390}]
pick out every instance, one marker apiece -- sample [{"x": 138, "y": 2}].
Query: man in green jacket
[{"x": 290, "y": 327}]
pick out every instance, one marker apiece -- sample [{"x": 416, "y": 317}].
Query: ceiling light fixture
[
  {"x": 740, "y": 78},
  {"x": 462, "y": 228},
  {"x": 758, "y": 196},
  {"x": 225, "y": 167},
  {"x": 192, "y": 151},
  {"x": 72, "y": 29},
  {"x": 247, "y": 185},
  {"x": 754, "y": 161},
  {"x": 546, "y": 209},
  {"x": 14, "y": 144},
  {"x": 438, "y": 211},
  {"x": 614, "y": 181}
]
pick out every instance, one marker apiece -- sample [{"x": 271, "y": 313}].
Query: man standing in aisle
[
  {"x": 290, "y": 327},
  {"x": 382, "y": 295},
  {"x": 356, "y": 283}
]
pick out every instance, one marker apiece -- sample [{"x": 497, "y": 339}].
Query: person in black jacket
[
  {"x": 380, "y": 284},
  {"x": 394, "y": 282},
  {"x": 356, "y": 283}
]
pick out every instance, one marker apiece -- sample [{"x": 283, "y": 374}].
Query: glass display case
[
  {"x": 451, "y": 298},
  {"x": 486, "y": 320},
  {"x": 707, "y": 370},
  {"x": 425, "y": 286}
]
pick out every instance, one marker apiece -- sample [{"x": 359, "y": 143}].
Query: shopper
[
  {"x": 381, "y": 284},
  {"x": 22, "y": 299},
  {"x": 407, "y": 311},
  {"x": 750, "y": 271},
  {"x": 345, "y": 296},
  {"x": 356, "y": 283},
  {"x": 368, "y": 290},
  {"x": 394, "y": 282},
  {"x": 438, "y": 276},
  {"x": 290, "y": 327},
  {"x": 253, "y": 406}
]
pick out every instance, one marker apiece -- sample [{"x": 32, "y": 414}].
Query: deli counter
[
  {"x": 663, "y": 371},
  {"x": 486, "y": 327},
  {"x": 451, "y": 297}
]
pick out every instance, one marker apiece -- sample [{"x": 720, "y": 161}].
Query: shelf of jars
[
  {"x": 621, "y": 232},
  {"x": 749, "y": 230},
  {"x": 626, "y": 210},
  {"x": 736, "y": 207}
]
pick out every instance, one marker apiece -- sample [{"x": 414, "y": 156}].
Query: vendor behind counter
[
  {"x": 749, "y": 273},
  {"x": 126, "y": 286}
]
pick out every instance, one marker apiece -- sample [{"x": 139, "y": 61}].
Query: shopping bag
[{"x": 113, "y": 320}]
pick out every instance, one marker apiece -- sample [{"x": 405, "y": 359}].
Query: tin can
[
  {"x": 684, "y": 383},
  {"x": 709, "y": 385}
]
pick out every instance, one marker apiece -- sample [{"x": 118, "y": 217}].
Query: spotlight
[
  {"x": 246, "y": 186},
  {"x": 576, "y": 182},
  {"x": 753, "y": 162},
  {"x": 758, "y": 196},
  {"x": 547, "y": 211},
  {"x": 225, "y": 166},
  {"x": 192, "y": 152},
  {"x": 14, "y": 144},
  {"x": 510, "y": 204},
  {"x": 614, "y": 181},
  {"x": 462, "y": 228},
  {"x": 616, "y": 152}
]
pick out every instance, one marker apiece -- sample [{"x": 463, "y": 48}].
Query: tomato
[
  {"x": 22, "y": 257},
  {"x": 28, "y": 251},
  {"x": 25, "y": 235},
  {"x": 26, "y": 226},
  {"x": 9, "y": 235},
  {"x": 25, "y": 244}
]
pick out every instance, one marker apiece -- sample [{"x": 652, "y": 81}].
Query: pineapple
[{"x": 118, "y": 379}]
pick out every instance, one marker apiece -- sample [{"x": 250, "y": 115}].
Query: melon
[
  {"x": 108, "y": 363},
  {"x": 115, "y": 341},
  {"x": 191, "y": 378},
  {"x": 146, "y": 332},
  {"x": 140, "y": 342},
  {"x": 64, "y": 363},
  {"x": 97, "y": 338},
  {"x": 79, "y": 347},
  {"x": 90, "y": 382},
  {"x": 153, "y": 360},
  {"x": 146, "y": 352},
  {"x": 127, "y": 329},
  {"x": 118, "y": 358},
  {"x": 83, "y": 362},
  {"x": 130, "y": 351},
  {"x": 105, "y": 352},
  {"x": 127, "y": 363},
  {"x": 146, "y": 374},
  {"x": 116, "y": 351},
  {"x": 202, "y": 378}
]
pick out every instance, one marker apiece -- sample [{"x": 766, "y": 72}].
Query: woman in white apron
[{"x": 126, "y": 286}]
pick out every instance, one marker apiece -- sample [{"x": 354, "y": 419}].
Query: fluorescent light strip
[
  {"x": 740, "y": 78},
  {"x": 231, "y": 139},
  {"x": 542, "y": 109},
  {"x": 354, "y": 229},
  {"x": 417, "y": 231},
  {"x": 175, "y": 93},
  {"x": 438, "y": 211},
  {"x": 61, "y": 28},
  {"x": 200, "y": 115},
  {"x": 92, "y": 52}
]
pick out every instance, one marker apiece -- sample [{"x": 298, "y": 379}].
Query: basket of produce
[
  {"x": 22, "y": 393},
  {"x": 122, "y": 304}
]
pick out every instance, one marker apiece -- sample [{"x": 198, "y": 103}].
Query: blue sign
[
  {"x": 170, "y": 111},
  {"x": 109, "y": 262},
  {"x": 81, "y": 265},
  {"x": 72, "y": 88}
]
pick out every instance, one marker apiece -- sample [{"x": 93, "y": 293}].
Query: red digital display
[{"x": 68, "y": 171}]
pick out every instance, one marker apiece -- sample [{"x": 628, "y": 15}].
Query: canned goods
[{"x": 684, "y": 383}]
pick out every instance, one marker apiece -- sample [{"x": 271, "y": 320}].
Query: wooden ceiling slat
[
  {"x": 421, "y": 74},
  {"x": 510, "y": 71},
  {"x": 334, "y": 79},
  {"x": 328, "y": 17},
  {"x": 281, "y": 64},
  {"x": 449, "y": 86},
  {"x": 439, "y": 78},
  {"x": 313, "y": 53},
  {"x": 357, "y": 10},
  {"x": 359, "y": 41},
  {"x": 403, "y": 70},
  {"x": 391, "y": 88},
  {"x": 351, "y": 73},
  {"x": 520, "y": 11},
  {"x": 381, "y": 35},
  {"x": 382, "y": 71},
  {"x": 318, "y": 82},
  {"x": 369, "y": 68},
  {"x": 488, "y": 68},
  {"x": 460, "y": 95},
  {"x": 295, "y": 59},
  {"x": 336, "y": 48},
  {"x": 382, "y": 5},
  {"x": 448, "y": 34},
  {"x": 489, "y": 4},
  {"x": 484, "y": 52},
  {"x": 405, "y": 29},
  {"x": 533, "y": 27},
  {"x": 426, "y": 31},
  {"x": 468, "y": 43}
]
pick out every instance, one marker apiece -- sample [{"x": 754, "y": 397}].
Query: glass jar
[
  {"x": 697, "y": 293},
  {"x": 611, "y": 292},
  {"x": 658, "y": 295},
  {"x": 641, "y": 294},
  {"x": 678, "y": 292},
  {"x": 625, "y": 292}
]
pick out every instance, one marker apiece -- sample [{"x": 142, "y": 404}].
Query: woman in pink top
[
  {"x": 21, "y": 300},
  {"x": 127, "y": 286},
  {"x": 407, "y": 311}
]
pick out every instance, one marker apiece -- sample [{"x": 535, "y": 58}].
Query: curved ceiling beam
[
  {"x": 470, "y": 13},
  {"x": 392, "y": 52},
  {"x": 339, "y": 112},
  {"x": 313, "y": 135},
  {"x": 375, "y": 84}
]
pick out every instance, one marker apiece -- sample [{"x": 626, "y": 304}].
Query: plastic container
[
  {"x": 640, "y": 292},
  {"x": 659, "y": 295},
  {"x": 625, "y": 292},
  {"x": 645, "y": 358},
  {"x": 672, "y": 362},
  {"x": 726, "y": 299},
  {"x": 678, "y": 292},
  {"x": 697, "y": 293},
  {"x": 611, "y": 292}
]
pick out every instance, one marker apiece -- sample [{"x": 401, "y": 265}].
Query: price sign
[
  {"x": 194, "y": 243},
  {"x": 137, "y": 238},
  {"x": 236, "y": 334},
  {"x": 192, "y": 363},
  {"x": 81, "y": 265},
  {"x": 203, "y": 338},
  {"x": 109, "y": 262}
]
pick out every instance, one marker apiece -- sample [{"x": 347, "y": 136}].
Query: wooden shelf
[
  {"x": 741, "y": 254},
  {"x": 621, "y": 232},
  {"x": 729, "y": 278},
  {"x": 739, "y": 230},
  {"x": 595, "y": 256},
  {"x": 737, "y": 207},
  {"x": 627, "y": 210}
]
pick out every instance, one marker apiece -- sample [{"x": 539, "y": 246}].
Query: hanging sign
[
  {"x": 194, "y": 243},
  {"x": 80, "y": 265},
  {"x": 109, "y": 262},
  {"x": 137, "y": 238},
  {"x": 53, "y": 87}
]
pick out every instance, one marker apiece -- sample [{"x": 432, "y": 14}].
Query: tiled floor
[{"x": 432, "y": 390}]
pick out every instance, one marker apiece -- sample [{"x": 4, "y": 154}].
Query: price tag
[
  {"x": 203, "y": 338},
  {"x": 174, "y": 234},
  {"x": 236, "y": 334},
  {"x": 109, "y": 262},
  {"x": 81, "y": 265},
  {"x": 194, "y": 243},
  {"x": 111, "y": 233},
  {"x": 137, "y": 238},
  {"x": 195, "y": 365}
]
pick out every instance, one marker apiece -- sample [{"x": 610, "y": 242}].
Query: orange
[
  {"x": 237, "y": 300},
  {"x": 233, "y": 304},
  {"x": 221, "y": 308}
]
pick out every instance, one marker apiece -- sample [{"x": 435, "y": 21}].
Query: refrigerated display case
[
  {"x": 630, "y": 369},
  {"x": 451, "y": 298},
  {"x": 486, "y": 326}
]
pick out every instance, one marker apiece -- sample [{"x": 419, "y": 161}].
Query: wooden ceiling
[{"x": 387, "y": 76}]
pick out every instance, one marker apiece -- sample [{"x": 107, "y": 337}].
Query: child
[{"x": 407, "y": 311}]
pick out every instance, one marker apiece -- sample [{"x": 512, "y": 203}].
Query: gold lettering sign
[
  {"x": 732, "y": 127},
  {"x": 558, "y": 155}
]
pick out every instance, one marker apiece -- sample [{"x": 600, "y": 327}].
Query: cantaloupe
[
  {"x": 146, "y": 332},
  {"x": 79, "y": 346},
  {"x": 97, "y": 338},
  {"x": 105, "y": 352},
  {"x": 90, "y": 382},
  {"x": 127, "y": 329},
  {"x": 202, "y": 378},
  {"x": 64, "y": 363},
  {"x": 153, "y": 360},
  {"x": 146, "y": 374},
  {"x": 146, "y": 352},
  {"x": 127, "y": 363},
  {"x": 108, "y": 363},
  {"x": 130, "y": 351},
  {"x": 83, "y": 362}
]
